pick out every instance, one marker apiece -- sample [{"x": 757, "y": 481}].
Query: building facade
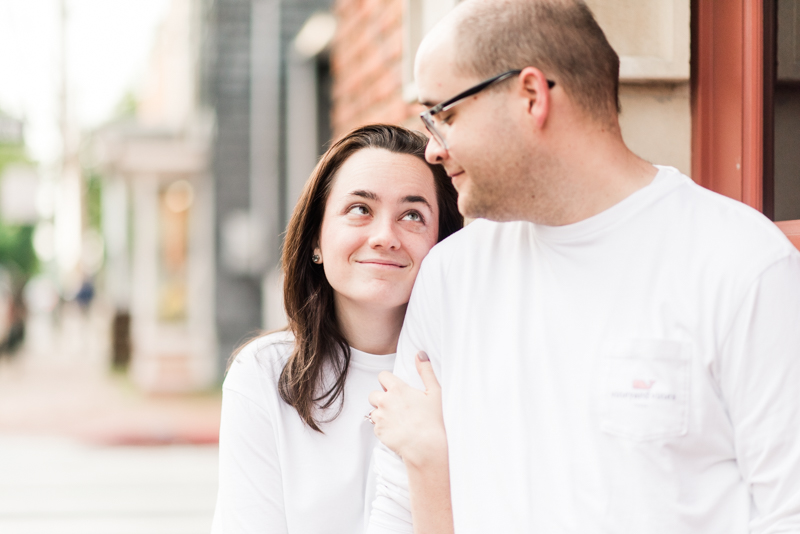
[
  {"x": 199, "y": 184},
  {"x": 158, "y": 206},
  {"x": 267, "y": 88}
]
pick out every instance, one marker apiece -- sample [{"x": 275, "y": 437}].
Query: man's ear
[{"x": 534, "y": 88}]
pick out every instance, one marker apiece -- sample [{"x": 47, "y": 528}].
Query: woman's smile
[{"x": 383, "y": 263}]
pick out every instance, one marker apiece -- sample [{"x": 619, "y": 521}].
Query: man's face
[{"x": 484, "y": 157}]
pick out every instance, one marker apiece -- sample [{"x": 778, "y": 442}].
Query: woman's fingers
[
  {"x": 375, "y": 397},
  {"x": 425, "y": 370},
  {"x": 389, "y": 381}
]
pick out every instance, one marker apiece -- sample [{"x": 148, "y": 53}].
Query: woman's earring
[{"x": 316, "y": 259}]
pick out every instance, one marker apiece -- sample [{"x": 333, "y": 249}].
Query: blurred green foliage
[
  {"x": 12, "y": 154},
  {"x": 126, "y": 107},
  {"x": 16, "y": 250},
  {"x": 16, "y": 242},
  {"x": 94, "y": 200}
]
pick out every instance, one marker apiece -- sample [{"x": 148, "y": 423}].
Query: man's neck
[
  {"x": 370, "y": 330},
  {"x": 597, "y": 172}
]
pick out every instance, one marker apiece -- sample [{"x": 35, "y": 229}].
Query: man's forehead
[{"x": 436, "y": 73}]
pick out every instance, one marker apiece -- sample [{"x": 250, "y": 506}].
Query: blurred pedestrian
[{"x": 85, "y": 294}]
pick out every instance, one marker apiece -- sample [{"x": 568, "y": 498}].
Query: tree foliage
[{"x": 16, "y": 241}]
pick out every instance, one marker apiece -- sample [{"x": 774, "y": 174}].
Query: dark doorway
[{"x": 782, "y": 109}]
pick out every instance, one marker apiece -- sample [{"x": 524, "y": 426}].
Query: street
[
  {"x": 61, "y": 486},
  {"x": 83, "y": 451}
]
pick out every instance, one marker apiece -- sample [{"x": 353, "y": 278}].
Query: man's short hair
[{"x": 559, "y": 37}]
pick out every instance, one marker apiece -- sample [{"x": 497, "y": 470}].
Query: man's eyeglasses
[{"x": 436, "y": 127}]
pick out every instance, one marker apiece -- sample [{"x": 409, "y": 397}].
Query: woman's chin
[
  {"x": 379, "y": 301},
  {"x": 384, "y": 304}
]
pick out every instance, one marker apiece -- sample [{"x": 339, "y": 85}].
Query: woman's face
[{"x": 380, "y": 220}]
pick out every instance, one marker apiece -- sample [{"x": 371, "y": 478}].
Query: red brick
[{"x": 366, "y": 62}]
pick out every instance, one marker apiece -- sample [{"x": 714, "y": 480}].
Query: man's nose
[{"x": 434, "y": 151}]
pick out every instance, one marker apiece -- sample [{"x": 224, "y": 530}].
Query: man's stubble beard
[{"x": 520, "y": 188}]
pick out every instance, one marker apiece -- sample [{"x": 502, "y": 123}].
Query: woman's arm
[
  {"x": 410, "y": 423},
  {"x": 250, "y": 497}
]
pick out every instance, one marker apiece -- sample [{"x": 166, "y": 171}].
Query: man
[{"x": 618, "y": 348}]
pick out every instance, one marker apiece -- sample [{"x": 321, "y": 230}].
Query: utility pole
[
  {"x": 68, "y": 219},
  {"x": 63, "y": 92}
]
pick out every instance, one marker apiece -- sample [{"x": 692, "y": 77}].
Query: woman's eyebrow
[
  {"x": 409, "y": 199},
  {"x": 369, "y": 195},
  {"x": 415, "y": 198}
]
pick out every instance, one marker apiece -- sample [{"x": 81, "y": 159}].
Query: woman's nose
[{"x": 385, "y": 235}]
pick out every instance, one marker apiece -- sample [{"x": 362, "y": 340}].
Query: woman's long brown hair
[{"x": 319, "y": 345}]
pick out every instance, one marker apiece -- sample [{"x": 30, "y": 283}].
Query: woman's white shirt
[{"x": 276, "y": 475}]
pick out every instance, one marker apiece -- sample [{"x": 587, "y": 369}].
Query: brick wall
[{"x": 366, "y": 64}]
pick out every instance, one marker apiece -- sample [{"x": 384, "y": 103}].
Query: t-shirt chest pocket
[{"x": 645, "y": 389}]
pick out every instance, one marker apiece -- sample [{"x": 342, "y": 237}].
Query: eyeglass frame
[{"x": 427, "y": 115}]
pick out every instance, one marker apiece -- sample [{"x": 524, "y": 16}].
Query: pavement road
[
  {"x": 61, "y": 486},
  {"x": 82, "y": 451}
]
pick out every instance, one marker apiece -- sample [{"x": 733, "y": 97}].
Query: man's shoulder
[
  {"x": 725, "y": 229},
  {"x": 730, "y": 219}
]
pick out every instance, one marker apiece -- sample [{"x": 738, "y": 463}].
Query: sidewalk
[
  {"x": 83, "y": 451},
  {"x": 61, "y": 486}
]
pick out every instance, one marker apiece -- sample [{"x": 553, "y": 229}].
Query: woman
[{"x": 294, "y": 446}]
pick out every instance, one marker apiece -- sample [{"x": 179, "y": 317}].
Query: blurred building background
[
  {"x": 171, "y": 213},
  {"x": 240, "y": 98},
  {"x": 200, "y": 180},
  {"x": 173, "y": 210}
]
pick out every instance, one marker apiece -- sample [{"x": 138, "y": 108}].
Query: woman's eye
[
  {"x": 413, "y": 216},
  {"x": 358, "y": 210}
]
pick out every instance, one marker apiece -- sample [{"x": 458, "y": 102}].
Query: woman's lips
[{"x": 382, "y": 263}]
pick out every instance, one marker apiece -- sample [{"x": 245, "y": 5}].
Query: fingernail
[{"x": 422, "y": 356}]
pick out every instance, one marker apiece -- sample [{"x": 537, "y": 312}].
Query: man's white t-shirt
[
  {"x": 638, "y": 371},
  {"x": 279, "y": 476}
]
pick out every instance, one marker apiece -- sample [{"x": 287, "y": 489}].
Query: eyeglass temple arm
[{"x": 478, "y": 88}]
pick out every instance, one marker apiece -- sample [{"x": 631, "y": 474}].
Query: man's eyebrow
[
  {"x": 427, "y": 103},
  {"x": 415, "y": 198},
  {"x": 369, "y": 195}
]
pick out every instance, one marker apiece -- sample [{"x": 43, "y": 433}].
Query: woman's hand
[{"x": 409, "y": 421}]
